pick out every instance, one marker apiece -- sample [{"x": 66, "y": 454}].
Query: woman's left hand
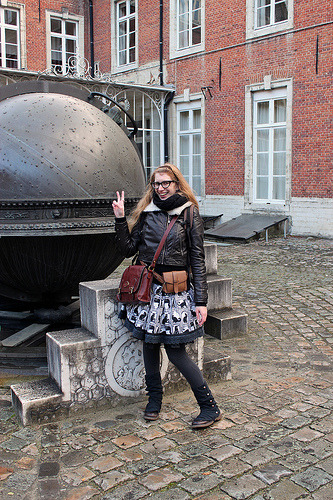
[{"x": 201, "y": 313}]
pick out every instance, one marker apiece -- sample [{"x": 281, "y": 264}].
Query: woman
[{"x": 172, "y": 319}]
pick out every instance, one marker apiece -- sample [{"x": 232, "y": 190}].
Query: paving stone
[
  {"x": 5, "y": 472},
  {"x": 104, "y": 464},
  {"x": 152, "y": 433},
  {"x": 158, "y": 479},
  {"x": 74, "y": 458},
  {"x": 285, "y": 490},
  {"x": 251, "y": 443},
  {"x": 171, "y": 494},
  {"x": 157, "y": 446},
  {"x": 173, "y": 457},
  {"x": 48, "y": 469},
  {"x": 144, "y": 466},
  {"x": 194, "y": 465},
  {"x": 296, "y": 422},
  {"x": 14, "y": 444},
  {"x": 83, "y": 493},
  {"x": 306, "y": 434},
  {"x": 242, "y": 487},
  {"x": 49, "y": 488},
  {"x": 231, "y": 467},
  {"x": 320, "y": 448},
  {"x": 272, "y": 472},
  {"x": 298, "y": 460},
  {"x": 326, "y": 465},
  {"x": 259, "y": 456},
  {"x": 130, "y": 455},
  {"x": 324, "y": 493},
  {"x": 127, "y": 441},
  {"x": 111, "y": 479},
  {"x": 201, "y": 482},
  {"x": 224, "y": 452},
  {"x": 285, "y": 446},
  {"x": 312, "y": 478},
  {"x": 194, "y": 450},
  {"x": 78, "y": 475},
  {"x": 20, "y": 481},
  {"x": 129, "y": 491}
]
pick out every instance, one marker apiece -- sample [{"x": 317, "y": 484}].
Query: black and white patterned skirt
[{"x": 168, "y": 319}]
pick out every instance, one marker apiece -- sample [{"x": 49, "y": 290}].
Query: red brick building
[{"x": 238, "y": 94}]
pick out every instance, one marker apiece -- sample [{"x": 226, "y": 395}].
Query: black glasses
[{"x": 164, "y": 184}]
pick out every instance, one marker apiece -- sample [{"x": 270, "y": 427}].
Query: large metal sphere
[{"x": 62, "y": 160}]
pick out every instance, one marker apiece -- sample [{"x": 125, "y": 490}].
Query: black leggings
[{"x": 178, "y": 356}]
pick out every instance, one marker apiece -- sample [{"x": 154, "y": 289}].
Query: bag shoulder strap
[{"x": 160, "y": 246}]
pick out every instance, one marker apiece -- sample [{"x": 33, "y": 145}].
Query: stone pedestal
[{"x": 101, "y": 362}]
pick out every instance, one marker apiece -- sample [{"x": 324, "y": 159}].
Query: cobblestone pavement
[{"x": 275, "y": 440}]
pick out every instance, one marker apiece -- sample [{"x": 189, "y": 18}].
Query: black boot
[
  {"x": 155, "y": 392},
  {"x": 210, "y": 412}
]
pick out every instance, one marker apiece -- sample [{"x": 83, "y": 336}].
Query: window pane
[
  {"x": 138, "y": 109},
  {"x": 280, "y": 139},
  {"x": 56, "y": 25},
  {"x": 131, "y": 55},
  {"x": 281, "y": 11},
  {"x": 183, "y": 39},
  {"x": 196, "y": 144},
  {"x": 196, "y": 18},
  {"x": 196, "y": 36},
  {"x": 279, "y": 165},
  {"x": 132, "y": 6},
  {"x": 197, "y": 119},
  {"x": 132, "y": 25},
  {"x": 196, "y": 165},
  {"x": 262, "y": 188},
  {"x": 56, "y": 43},
  {"x": 183, "y": 6},
  {"x": 196, "y": 4},
  {"x": 70, "y": 46},
  {"x": 279, "y": 188},
  {"x": 122, "y": 57},
  {"x": 184, "y": 166},
  {"x": 156, "y": 149},
  {"x": 122, "y": 28},
  {"x": 70, "y": 28},
  {"x": 196, "y": 185},
  {"x": 263, "y": 16},
  {"x": 132, "y": 40},
  {"x": 122, "y": 9},
  {"x": 11, "y": 17},
  {"x": 262, "y": 140},
  {"x": 156, "y": 118},
  {"x": 184, "y": 120},
  {"x": 263, "y": 112},
  {"x": 122, "y": 43},
  {"x": 280, "y": 110},
  {"x": 11, "y": 36},
  {"x": 262, "y": 164},
  {"x": 184, "y": 145},
  {"x": 183, "y": 22}
]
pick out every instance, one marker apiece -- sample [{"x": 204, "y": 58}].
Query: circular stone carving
[{"x": 124, "y": 369}]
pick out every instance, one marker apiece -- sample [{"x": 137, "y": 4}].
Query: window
[
  {"x": 64, "y": 45},
  {"x": 147, "y": 114},
  {"x": 126, "y": 32},
  {"x": 9, "y": 38},
  {"x": 270, "y": 12},
  {"x": 269, "y": 147},
  {"x": 264, "y": 17},
  {"x": 187, "y": 28},
  {"x": 189, "y": 23},
  {"x": 189, "y": 145}
]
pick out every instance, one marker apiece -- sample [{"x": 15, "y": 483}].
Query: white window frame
[
  {"x": 191, "y": 105},
  {"x": 268, "y": 90},
  {"x": 3, "y": 27},
  {"x": 252, "y": 31},
  {"x": 148, "y": 133},
  {"x": 64, "y": 16},
  {"x": 175, "y": 50},
  {"x": 115, "y": 66}
]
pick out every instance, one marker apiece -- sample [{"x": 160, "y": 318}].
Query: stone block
[
  {"x": 211, "y": 258},
  {"x": 61, "y": 347},
  {"x": 29, "y": 399},
  {"x": 216, "y": 366},
  {"x": 219, "y": 292},
  {"x": 226, "y": 324}
]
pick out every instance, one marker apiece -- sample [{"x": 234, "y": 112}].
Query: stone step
[
  {"x": 226, "y": 324},
  {"x": 216, "y": 366},
  {"x": 211, "y": 258},
  {"x": 219, "y": 292},
  {"x": 62, "y": 346},
  {"x": 35, "y": 400}
]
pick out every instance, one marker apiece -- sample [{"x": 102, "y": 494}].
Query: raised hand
[{"x": 118, "y": 206}]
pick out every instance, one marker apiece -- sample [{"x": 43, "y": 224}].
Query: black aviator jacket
[{"x": 148, "y": 232}]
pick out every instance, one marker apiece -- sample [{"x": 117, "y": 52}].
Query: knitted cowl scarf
[{"x": 174, "y": 201}]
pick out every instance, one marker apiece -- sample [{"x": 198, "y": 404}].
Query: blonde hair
[{"x": 177, "y": 176}]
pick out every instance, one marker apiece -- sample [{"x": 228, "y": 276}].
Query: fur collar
[{"x": 175, "y": 211}]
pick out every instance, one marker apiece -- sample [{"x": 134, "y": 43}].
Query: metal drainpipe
[
  {"x": 165, "y": 120},
  {"x": 161, "y": 42},
  {"x": 92, "y": 55}
]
